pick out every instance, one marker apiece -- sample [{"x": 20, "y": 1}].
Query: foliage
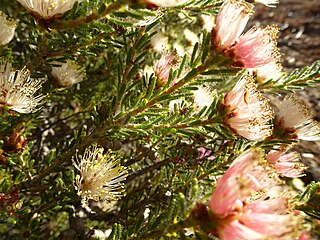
[{"x": 121, "y": 107}]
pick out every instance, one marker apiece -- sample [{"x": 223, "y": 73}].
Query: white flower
[
  {"x": 68, "y": 73},
  {"x": 271, "y": 71},
  {"x": 7, "y": 28},
  {"x": 166, "y": 3},
  {"x": 268, "y": 3},
  {"x": 159, "y": 42},
  {"x": 295, "y": 117},
  {"x": 203, "y": 97},
  {"x": 17, "y": 89},
  {"x": 48, "y": 9},
  {"x": 100, "y": 176},
  {"x": 247, "y": 111}
]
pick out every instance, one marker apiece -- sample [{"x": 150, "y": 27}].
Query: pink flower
[
  {"x": 287, "y": 165},
  {"x": 237, "y": 209},
  {"x": 305, "y": 236},
  {"x": 296, "y": 120},
  {"x": 165, "y": 3},
  {"x": 256, "y": 48},
  {"x": 230, "y": 23},
  {"x": 247, "y": 111},
  {"x": 163, "y": 65}
]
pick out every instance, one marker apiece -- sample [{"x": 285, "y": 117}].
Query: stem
[
  {"x": 147, "y": 169},
  {"x": 190, "y": 76},
  {"x": 179, "y": 126},
  {"x": 130, "y": 64}
]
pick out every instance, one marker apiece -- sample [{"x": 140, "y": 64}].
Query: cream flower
[
  {"x": 17, "y": 89},
  {"x": 48, "y": 9},
  {"x": 68, "y": 73},
  {"x": 295, "y": 118},
  {"x": 7, "y": 29},
  {"x": 100, "y": 176},
  {"x": 247, "y": 111}
]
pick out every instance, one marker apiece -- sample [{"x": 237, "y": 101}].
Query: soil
[{"x": 299, "y": 43}]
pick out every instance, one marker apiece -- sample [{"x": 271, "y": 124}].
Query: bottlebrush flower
[
  {"x": 67, "y": 73},
  {"x": 238, "y": 211},
  {"x": 247, "y": 111},
  {"x": 7, "y": 29},
  {"x": 163, "y": 65},
  {"x": 100, "y": 176},
  {"x": 48, "y": 9},
  {"x": 287, "y": 165},
  {"x": 17, "y": 89},
  {"x": 256, "y": 48},
  {"x": 296, "y": 120},
  {"x": 231, "y": 21}
]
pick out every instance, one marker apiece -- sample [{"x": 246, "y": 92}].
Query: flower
[
  {"x": 48, "y": 9},
  {"x": 268, "y": 3},
  {"x": 230, "y": 23},
  {"x": 159, "y": 42},
  {"x": 7, "y": 29},
  {"x": 17, "y": 89},
  {"x": 296, "y": 120},
  {"x": 239, "y": 210},
  {"x": 163, "y": 65},
  {"x": 165, "y": 3},
  {"x": 256, "y": 48},
  {"x": 247, "y": 111},
  {"x": 287, "y": 165},
  {"x": 203, "y": 97},
  {"x": 100, "y": 175},
  {"x": 68, "y": 73},
  {"x": 271, "y": 71},
  {"x": 253, "y": 49}
]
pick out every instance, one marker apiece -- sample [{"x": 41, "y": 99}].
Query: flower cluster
[
  {"x": 17, "y": 89},
  {"x": 7, "y": 29},
  {"x": 253, "y": 49},
  {"x": 248, "y": 203},
  {"x": 100, "y": 175}
]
